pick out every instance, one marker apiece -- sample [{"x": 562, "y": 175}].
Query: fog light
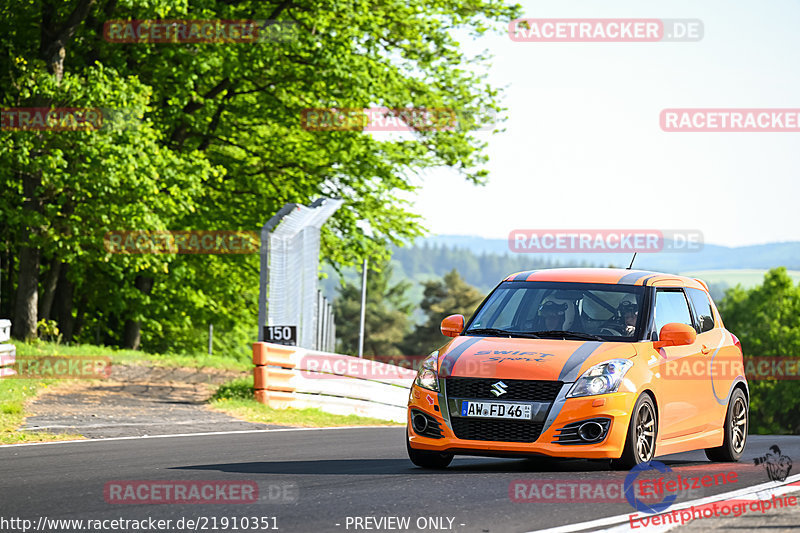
[
  {"x": 590, "y": 431},
  {"x": 420, "y": 423}
]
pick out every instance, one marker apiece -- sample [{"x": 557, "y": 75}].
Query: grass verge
[
  {"x": 14, "y": 395},
  {"x": 133, "y": 357},
  {"x": 236, "y": 399}
]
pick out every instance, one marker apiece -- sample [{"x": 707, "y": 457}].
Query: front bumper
[{"x": 615, "y": 407}]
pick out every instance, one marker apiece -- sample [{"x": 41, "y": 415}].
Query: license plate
[{"x": 496, "y": 410}]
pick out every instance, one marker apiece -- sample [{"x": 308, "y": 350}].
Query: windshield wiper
[
  {"x": 572, "y": 334},
  {"x": 496, "y": 331}
]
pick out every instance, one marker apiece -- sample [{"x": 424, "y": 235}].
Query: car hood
[{"x": 539, "y": 359}]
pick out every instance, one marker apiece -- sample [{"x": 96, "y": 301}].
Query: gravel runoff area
[{"x": 136, "y": 400}]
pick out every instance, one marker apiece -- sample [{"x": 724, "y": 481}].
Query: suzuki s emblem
[{"x": 499, "y": 388}]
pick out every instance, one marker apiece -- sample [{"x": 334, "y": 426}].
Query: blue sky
[{"x": 583, "y": 147}]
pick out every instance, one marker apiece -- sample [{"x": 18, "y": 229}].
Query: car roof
[{"x": 613, "y": 276}]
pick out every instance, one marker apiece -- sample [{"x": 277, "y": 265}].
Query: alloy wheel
[{"x": 645, "y": 432}]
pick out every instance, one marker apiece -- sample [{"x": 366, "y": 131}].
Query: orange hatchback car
[{"x": 595, "y": 363}]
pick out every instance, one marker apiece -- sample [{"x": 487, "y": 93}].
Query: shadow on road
[{"x": 401, "y": 466}]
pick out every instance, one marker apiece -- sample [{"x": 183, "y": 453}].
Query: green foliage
[
  {"x": 209, "y": 136},
  {"x": 238, "y": 389},
  {"x": 766, "y": 319},
  {"x": 48, "y": 331},
  {"x": 449, "y": 296},
  {"x": 387, "y": 317}
]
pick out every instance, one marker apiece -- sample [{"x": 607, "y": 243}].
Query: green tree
[
  {"x": 214, "y": 140},
  {"x": 448, "y": 296},
  {"x": 387, "y": 316},
  {"x": 766, "y": 319}
]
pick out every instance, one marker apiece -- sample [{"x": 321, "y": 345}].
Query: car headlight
[
  {"x": 428, "y": 375},
  {"x": 601, "y": 379}
]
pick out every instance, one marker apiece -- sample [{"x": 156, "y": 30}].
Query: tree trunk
[
  {"x": 49, "y": 290},
  {"x": 133, "y": 328},
  {"x": 25, "y": 313},
  {"x": 7, "y": 302},
  {"x": 27, "y": 300},
  {"x": 63, "y": 304},
  {"x": 80, "y": 318}
]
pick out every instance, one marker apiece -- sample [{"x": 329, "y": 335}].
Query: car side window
[
  {"x": 671, "y": 306},
  {"x": 702, "y": 309}
]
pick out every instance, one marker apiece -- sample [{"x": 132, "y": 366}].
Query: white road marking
[{"x": 189, "y": 435}]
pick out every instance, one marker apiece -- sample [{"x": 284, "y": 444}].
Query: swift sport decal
[
  {"x": 512, "y": 356},
  {"x": 509, "y": 352},
  {"x": 501, "y": 359}
]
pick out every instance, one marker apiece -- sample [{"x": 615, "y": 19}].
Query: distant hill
[
  {"x": 484, "y": 262},
  {"x": 710, "y": 257}
]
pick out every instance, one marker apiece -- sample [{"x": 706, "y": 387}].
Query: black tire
[
  {"x": 640, "y": 444},
  {"x": 736, "y": 425},
  {"x": 424, "y": 459}
]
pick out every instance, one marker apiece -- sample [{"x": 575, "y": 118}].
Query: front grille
[
  {"x": 497, "y": 430},
  {"x": 517, "y": 389}
]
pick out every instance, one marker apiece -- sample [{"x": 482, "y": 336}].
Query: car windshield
[{"x": 590, "y": 311}]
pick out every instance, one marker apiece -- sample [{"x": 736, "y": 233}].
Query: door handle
[{"x": 705, "y": 350}]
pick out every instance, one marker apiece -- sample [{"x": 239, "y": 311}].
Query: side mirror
[
  {"x": 675, "y": 334},
  {"x": 453, "y": 325}
]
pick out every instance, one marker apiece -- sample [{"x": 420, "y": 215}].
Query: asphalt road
[{"x": 314, "y": 480}]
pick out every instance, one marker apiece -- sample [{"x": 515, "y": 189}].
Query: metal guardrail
[{"x": 287, "y": 376}]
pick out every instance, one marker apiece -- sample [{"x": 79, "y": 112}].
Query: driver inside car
[
  {"x": 556, "y": 315},
  {"x": 629, "y": 313}
]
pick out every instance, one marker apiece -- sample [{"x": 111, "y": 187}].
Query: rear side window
[
  {"x": 671, "y": 306},
  {"x": 702, "y": 309}
]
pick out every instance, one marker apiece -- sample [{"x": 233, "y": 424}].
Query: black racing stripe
[
  {"x": 573, "y": 365},
  {"x": 522, "y": 276},
  {"x": 648, "y": 278},
  {"x": 452, "y": 356},
  {"x": 633, "y": 277},
  {"x": 556, "y": 407}
]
